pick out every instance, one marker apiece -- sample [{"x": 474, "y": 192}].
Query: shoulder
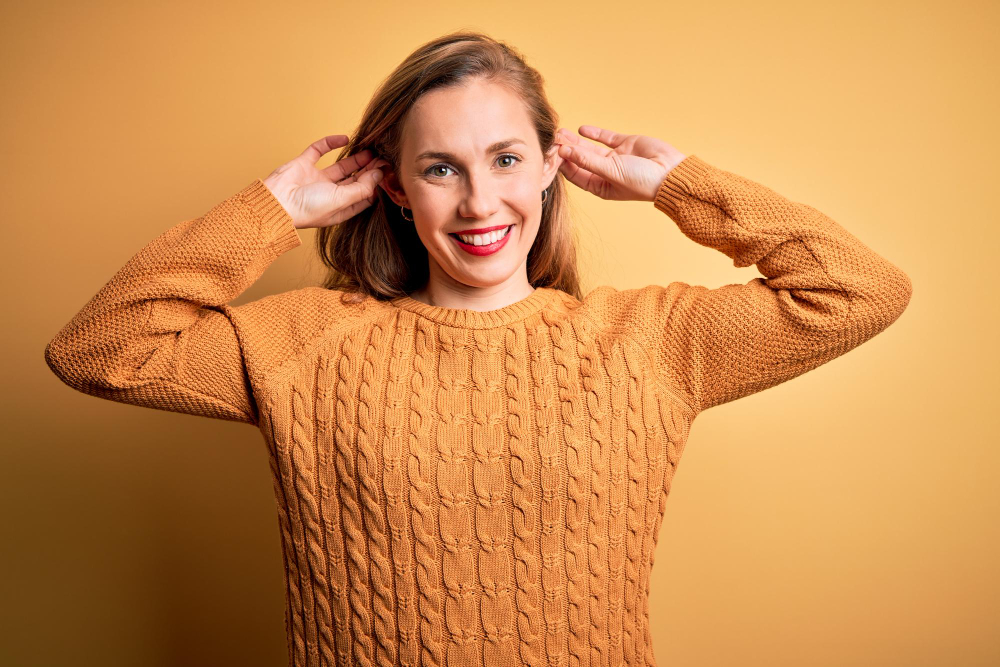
[
  {"x": 634, "y": 310},
  {"x": 279, "y": 327},
  {"x": 306, "y": 309}
]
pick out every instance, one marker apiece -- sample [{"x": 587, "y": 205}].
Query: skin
[
  {"x": 476, "y": 189},
  {"x": 472, "y": 189}
]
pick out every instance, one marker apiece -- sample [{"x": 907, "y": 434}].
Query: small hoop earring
[
  {"x": 545, "y": 195},
  {"x": 403, "y": 211}
]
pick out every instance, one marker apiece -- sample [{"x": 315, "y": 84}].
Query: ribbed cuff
[
  {"x": 275, "y": 222},
  {"x": 679, "y": 184}
]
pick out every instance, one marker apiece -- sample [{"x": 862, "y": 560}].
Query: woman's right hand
[{"x": 323, "y": 197}]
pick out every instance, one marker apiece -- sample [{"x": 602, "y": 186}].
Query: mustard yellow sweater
[{"x": 458, "y": 487}]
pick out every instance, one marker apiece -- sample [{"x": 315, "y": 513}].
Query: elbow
[
  {"x": 57, "y": 359},
  {"x": 880, "y": 303},
  {"x": 905, "y": 291},
  {"x": 895, "y": 297},
  {"x": 84, "y": 367}
]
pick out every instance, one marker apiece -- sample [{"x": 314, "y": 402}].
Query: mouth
[
  {"x": 481, "y": 239},
  {"x": 482, "y": 244}
]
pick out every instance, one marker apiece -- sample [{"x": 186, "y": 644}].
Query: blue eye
[{"x": 505, "y": 155}]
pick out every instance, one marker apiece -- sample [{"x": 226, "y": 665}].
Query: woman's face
[{"x": 470, "y": 159}]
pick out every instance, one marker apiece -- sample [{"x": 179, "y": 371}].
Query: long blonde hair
[{"x": 377, "y": 252}]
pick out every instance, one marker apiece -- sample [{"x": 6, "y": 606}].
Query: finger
[
  {"x": 374, "y": 164},
  {"x": 607, "y": 137},
  {"x": 596, "y": 164},
  {"x": 321, "y": 147},
  {"x": 568, "y": 136},
  {"x": 353, "y": 209},
  {"x": 575, "y": 140},
  {"x": 349, "y": 164},
  {"x": 362, "y": 188},
  {"x": 583, "y": 179}
]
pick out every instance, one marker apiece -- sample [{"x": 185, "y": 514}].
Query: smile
[{"x": 482, "y": 244}]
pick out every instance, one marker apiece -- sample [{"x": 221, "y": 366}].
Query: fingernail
[{"x": 377, "y": 176}]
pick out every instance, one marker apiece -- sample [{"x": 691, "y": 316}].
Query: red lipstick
[{"x": 481, "y": 250}]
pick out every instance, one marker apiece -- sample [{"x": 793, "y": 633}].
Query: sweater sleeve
[
  {"x": 160, "y": 334},
  {"x": 823, "y": 291}
]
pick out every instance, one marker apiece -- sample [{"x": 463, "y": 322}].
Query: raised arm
[
  {"x": 159, "y": 334},
  {"x": 824, "y": 291}
]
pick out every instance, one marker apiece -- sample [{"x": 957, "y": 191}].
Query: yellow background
[{"x": 846, "y": 517}]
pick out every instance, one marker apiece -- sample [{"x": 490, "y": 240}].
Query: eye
[
  {"x": 512, "y": 157},
  {"x": 515, "y": 159},
  {"x": 436, "y": 166}
]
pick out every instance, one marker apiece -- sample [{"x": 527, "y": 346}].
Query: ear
[
  {"x": 552, "y": 161},
  {"x": 390, "y": 183}
]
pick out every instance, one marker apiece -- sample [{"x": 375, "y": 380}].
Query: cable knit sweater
[{"x": 459, "y": 487}]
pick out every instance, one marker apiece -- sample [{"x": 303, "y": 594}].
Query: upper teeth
[{"x": 484, "y": 239}]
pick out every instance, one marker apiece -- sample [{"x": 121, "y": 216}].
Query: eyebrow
[{"x": 492, "y": 148}]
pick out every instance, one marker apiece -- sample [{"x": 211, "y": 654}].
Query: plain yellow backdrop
[{"x": 846, "y": 517}]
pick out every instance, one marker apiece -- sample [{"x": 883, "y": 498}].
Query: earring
[
  {"x": 545, "y": 195},
  {"x": 403, "y": 211}
]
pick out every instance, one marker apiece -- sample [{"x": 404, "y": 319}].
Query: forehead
[{"x": 465, "y": 119}]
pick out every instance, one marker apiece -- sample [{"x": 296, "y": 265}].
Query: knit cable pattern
[
  {"x": 456, "y": 487},
  {"x": 395, "y": 484}
]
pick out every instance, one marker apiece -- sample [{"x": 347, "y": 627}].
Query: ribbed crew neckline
[{"x": 479, "y": 319}]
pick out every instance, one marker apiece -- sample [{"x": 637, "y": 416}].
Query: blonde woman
[{"x": 470, "y": 457}]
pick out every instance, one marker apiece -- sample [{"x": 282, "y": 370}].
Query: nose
[{"x": 481, "y": 198}]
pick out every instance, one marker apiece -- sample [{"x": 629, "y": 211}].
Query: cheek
[
  {"x": 434, "y": 208},
  {"x": 429, "y": 200},
  {"x": 527, "y": 205},
  {"x": 524, "y": 192},
  {"x": 437, "y": 206}
]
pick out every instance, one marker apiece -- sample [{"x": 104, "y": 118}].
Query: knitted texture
[{"x": 459, "y": 487}]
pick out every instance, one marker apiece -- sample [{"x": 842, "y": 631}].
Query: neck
[{"x": 444, "y": 291}]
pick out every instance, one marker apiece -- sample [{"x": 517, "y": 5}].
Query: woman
[{"x": 470, "y": 458}]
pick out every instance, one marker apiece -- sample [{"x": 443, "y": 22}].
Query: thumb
[
  {"x": 362, "y": 188},
  {"x": 595, "y": 164}
]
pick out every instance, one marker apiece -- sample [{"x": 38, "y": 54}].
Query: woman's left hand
[{"x": 631, "y": 168}]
